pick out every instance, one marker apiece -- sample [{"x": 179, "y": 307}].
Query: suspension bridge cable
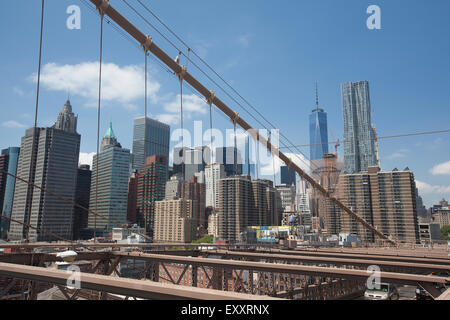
[
  {"x": 33, "y": 144},
  {"x": 75, "y": 204},
  {"x": 216, "y": 73},
  {"x": 98, "y": 121},
  {"x": 378, "y": 138},
  {"x": 311, "y": 164}
]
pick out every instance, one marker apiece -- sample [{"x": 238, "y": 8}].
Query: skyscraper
[
  {"x": 82, "y": 197},
  {"x": 174, "y": 221},
  {"x": 318, "y": 132},
  {"x": 190, "y": 161},
  {"x": 359, "y": 145},
  {"x": 13, "y": 158},
  {"x": 288, "y": 176},
  {"x": 4, "y": 161},
  {"x": 109, "y": 198},
  {"x": 151, "y": 187},
  {"x": 230, "y": 158},
  {"x": 150, "y": 138},
  {"x": 386, "y": 200},
  {"x": 54, "y": 168},
  {"x": 213, "y": 173},
  {"x": 132, "y": 199},
  {"x": 248, "y": 168},
  {"x": 236, "y": 207}
]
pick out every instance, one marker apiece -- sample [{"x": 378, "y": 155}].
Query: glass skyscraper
[
  {"x": 13, "y": 155},
  {"x": 318, "y": 132},
  {"x": 150, "y": 138},
  {"x": 359, "y": 145},
  {"x": 110, "y": 199}
]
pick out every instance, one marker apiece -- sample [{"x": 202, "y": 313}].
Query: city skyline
[{"x": 389, "y": 104}]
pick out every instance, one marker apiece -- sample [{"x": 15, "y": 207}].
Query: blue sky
[{"x": 271, "y": 51}]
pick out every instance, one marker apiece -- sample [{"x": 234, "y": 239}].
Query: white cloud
[
  {"x": 13, "y": 125},
  {"x": 86, "y": 158},
  {"x": 120, "y": 84},
  {"x": 298, "y": 159},
  {"x": 441, "y": 169},
  {"x": 244, "y": 40},
  {"x": 18, "y": 91},
  {"x": 426, "y": 188},
  {"x": 402, "y": 153},
  {"x": 192, "y": 106}
]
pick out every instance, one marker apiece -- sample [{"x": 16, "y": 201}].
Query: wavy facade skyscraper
[{"x": 359, "y": 145}]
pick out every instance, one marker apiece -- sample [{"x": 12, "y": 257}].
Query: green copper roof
[{"x": 110, "y": 132}]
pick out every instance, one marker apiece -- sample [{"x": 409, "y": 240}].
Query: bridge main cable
[{"x": 147, "y": 42}]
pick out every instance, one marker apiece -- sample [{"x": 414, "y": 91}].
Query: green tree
[
  {"x": 205, "y": 239},
  {"x": 445, "y": 233}
]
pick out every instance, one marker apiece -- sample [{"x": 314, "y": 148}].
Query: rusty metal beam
[
  {"x": 423, "y": 267},
  {"x": 126, "y": 287},
  {"x": 399, "y": 278},
  {"x": 147, "y": 43},
  {"x": 442, "y": 259},
  {"x": 152, "y": 246}
]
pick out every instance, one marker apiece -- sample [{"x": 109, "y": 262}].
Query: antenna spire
[{"x": 317, "y": 97}]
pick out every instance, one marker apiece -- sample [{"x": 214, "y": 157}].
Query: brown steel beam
[
  {"x": 390, "y": 277},
  {"x": 126, "y": 287},
  {"x": 332, "y": 261},
  {"x": 27, "y": 258},
  {"x": 443, "y": 259},
  {"x": 148, "y": 44}
]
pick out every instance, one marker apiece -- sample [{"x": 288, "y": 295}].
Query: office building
[
  {"x": 386, "y": 200},
  {"x": 231, "y": 159},
  {"x": 54, "y": 165},
  {"x": 236, "y": 209},
  {"x": 150, "y": 138},
  {"x": 132, "y": 199},
  {"x": 189, "y": 161},
  {"x": 4, "y": 162},
  {"x": 429, "y": 232},
  {"x": 318, "y": 132},
  {"x": 12, "y": 157},
  {"x": 82, "y": 198},
  {"x": 288, "y": 176},
  {"x": 109, "y": 199},
  {"x": 213, "y": 173},
  {"x": 442, "y": 216},
  {"x": 195, "y": 191},
  {"x": 359, "y": 142},
  {"x": 287, "y": 194},
  {"x": 248, "y": 167},
  {"x": 327, "y": 174},
  {"x": 151, "y": 187},
  {"x": 174, "y": 221}
]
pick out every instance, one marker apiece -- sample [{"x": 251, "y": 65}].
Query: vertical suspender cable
[
  {"x": 212, "y": 158},
  {"x": 33, "y": 144},
  {"x": 182, "y": 134},
  {"x": 98, "y": 122},
  {"x": 274, "y": 185},
  {"x": 146, "y": 89},
  {"x": 235, "y": 150}
]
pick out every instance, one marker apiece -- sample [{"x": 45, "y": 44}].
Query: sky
[{"x": 272, "y": 52}]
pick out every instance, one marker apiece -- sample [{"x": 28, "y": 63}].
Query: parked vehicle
[{"x": 386, "y": 291}]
